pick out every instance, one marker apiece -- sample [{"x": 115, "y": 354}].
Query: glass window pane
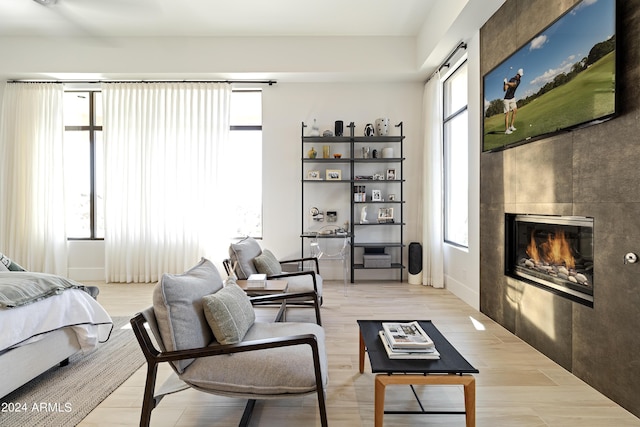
[
  {"x": 77, "y": 183},
  {"x": 246, "y": 108},
  {"x": 76, "y": 109},
  {"x": 246, "y": 198},
  {"x": 97, "y": 106},
  {"x": 99, "y": 181},
  {"x": 456, "y": 179},
  {"x": 455, "y": 91}
]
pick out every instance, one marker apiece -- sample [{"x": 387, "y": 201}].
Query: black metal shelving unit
[{"x": 357, "y": 233}]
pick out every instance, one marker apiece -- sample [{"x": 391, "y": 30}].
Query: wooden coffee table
[
  {"x": 271, "y": 287},
  {"x": 450, "y": 369}
]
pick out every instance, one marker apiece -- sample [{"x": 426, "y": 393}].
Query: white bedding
[{"x": 73, "y": 307}]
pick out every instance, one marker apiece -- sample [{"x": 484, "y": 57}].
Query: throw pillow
[
  {"x": 177, "y": 302},
  {"x": 266, "y": 263},
  {"x": 229, "y": 313},
  {"x": 243, "y": 252},
  {"x": 11, "y": 266}
]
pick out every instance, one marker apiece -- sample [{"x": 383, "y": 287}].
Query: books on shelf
[
  {"x": 407, "y": 336},
  {"x": 430, "y": 353},
  {"x": 256, "y": 281}
]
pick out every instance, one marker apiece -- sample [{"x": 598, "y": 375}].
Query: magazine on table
[
  {"x": 406, "y": 336},
  {"x": 431, "y": 353}
]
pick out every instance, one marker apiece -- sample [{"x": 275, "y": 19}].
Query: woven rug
[{"x": 73, "y": 391}]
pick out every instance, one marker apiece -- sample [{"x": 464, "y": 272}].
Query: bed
[{"x": 45, "y": 319}]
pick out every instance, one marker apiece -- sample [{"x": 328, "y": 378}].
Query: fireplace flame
[{"x": 555, "y": 251}]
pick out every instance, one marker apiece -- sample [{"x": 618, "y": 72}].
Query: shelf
[
  {"x": 353, "y": 165},
  {"x": 379, "y": 245},
  {"x": 393, "y": 266},
  {"x": 379, "y": 160},
  {"x": 379, "y": 202},
  {"x": 330, "y": 181},
  {"x": 329, "y": 160},
  {"x": 377, "y": 139},
  {"x": 326, "y": 139},
  {"x": 325, "y": 236},
  {"x": 370, "y": 224}
]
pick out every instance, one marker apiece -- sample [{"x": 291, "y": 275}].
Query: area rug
[{"x": 63, "y": 396}]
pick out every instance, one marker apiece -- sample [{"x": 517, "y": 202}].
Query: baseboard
[
  {"x": 462, "y": 291},
  {"x": 86, "y": 274}
]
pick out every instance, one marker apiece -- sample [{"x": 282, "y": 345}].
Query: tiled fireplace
[{"x": 552, "y": 252}]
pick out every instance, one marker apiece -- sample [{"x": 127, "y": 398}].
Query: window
[
  {"x": 246, "y": 150},
  {"x": 456, "y": 158},
  {"x": 84, "y": 172},
  {"x": 83, "y": 164}
]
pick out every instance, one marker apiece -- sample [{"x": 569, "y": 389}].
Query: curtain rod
[
  {"x": 445, "y": 63},
  {"x": 269, "y": 82}
]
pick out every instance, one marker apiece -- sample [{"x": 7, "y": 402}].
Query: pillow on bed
[{"x": 10, "y": 265}]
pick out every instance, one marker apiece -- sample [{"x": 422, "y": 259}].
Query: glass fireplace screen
[{"x": 553, "y": 252}]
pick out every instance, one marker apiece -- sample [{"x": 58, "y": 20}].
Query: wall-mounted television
[{"x": 562, "y": 79}]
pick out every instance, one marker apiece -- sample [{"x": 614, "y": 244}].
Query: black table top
[{"x": 450, "y": 362}]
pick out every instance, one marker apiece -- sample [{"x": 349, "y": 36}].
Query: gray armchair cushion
[
  {"x": 177, "y": 302},
  {"x": 229, "y": 313},
  {"x": 243, "y": 252},
  {"x": 267, "y": 263},
  {"x": 303, "y": 283},
  {"x": 269, "y": 372}
]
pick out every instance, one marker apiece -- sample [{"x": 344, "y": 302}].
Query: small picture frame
[
  {"x": 391, "y": 174},
  {"x": 376, "y": 195},
  {"x": 385, "y": 215},
  {"x": 332, "y": 216},
  {"x": 334, "y": 174},
  {"x": 313, "y": 175},
  {"x": 391, "y": 197}
]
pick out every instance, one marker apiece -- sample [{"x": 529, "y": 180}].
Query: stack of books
[
  {"x": 407, "y": 341},
  {"x": 256, "y": 281}
]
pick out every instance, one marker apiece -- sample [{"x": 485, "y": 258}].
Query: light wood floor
[{"x": 517, "y": 385}]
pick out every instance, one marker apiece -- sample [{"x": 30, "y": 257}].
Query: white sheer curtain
[
  {"x": 164, "y": 159},
  {"x": 433, "y": 258},
  {"x": 32, "y": 224}
]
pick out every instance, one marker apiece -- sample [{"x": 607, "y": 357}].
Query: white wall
[{"x": 285, "y": 107}]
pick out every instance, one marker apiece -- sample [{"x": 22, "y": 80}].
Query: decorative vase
[
  {"x": 315, "y": 131},
  {"x": 382, "y": 127},
  {"x": 326, "y": 151},
  {"x": 312, "y": 153},
  {"x": 339, "y": 127},
  {"x": 368, "y": 130}
]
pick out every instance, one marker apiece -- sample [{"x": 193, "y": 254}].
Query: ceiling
[
  {"x": 108, "y": 18},
  {"x": 118, "y": 39}
]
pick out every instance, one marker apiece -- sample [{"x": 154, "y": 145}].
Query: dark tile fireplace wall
[{"x": 591, "y": 172}]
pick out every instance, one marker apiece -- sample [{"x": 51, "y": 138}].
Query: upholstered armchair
[
  {"x": 198, "y": 323},
  {"x": 246, "y": 257}
]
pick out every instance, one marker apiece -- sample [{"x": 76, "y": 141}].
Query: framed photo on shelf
[
  {"x": 334, "y": 174},
  {"x": 313, "y": 175},
  {"x": 376, "y": 195},
  {"x": 391, "y": 174},
  {"x": 385, "y": 215}
]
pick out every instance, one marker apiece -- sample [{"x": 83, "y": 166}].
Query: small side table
[{"x": 271, "y": 287}]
